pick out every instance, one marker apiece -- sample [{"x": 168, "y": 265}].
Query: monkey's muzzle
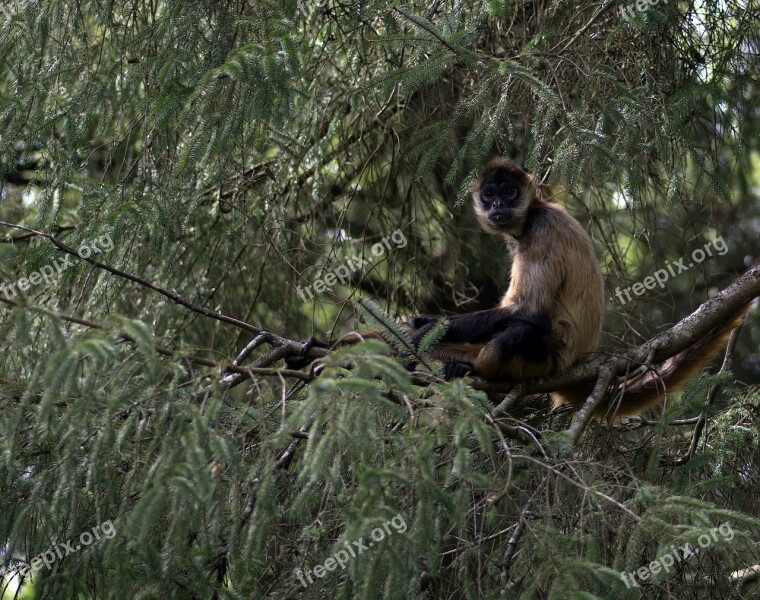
[{"x": 500, "y": 218}]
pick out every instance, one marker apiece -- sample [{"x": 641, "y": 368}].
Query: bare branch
[
  {"x": 171, "y": 294},
  {"x": 594, "y": 401}
]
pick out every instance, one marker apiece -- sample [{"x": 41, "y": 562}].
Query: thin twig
[
  {"x": 506, "y": 563},
  {"x": 426, "y": 27},
  {"x": 171, "y": 294},
  {"x": 583, "y": 29},
  {"x": 409, "y": 347}
]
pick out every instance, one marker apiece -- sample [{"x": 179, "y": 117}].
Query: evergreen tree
[{"x": 189, "y": 188}]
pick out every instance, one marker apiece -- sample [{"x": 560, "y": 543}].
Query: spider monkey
[{"x": 551, "y": 315}]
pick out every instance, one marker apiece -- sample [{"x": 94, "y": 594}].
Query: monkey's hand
[
  {"x": 420, "y": 326},
  {"x": 299, "y": 361},
  {"x": 421, "y": 321}
]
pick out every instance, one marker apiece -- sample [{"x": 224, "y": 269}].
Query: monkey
[
  {"x": 550, "y": 317},
  {"x": 551, "y": 314}
]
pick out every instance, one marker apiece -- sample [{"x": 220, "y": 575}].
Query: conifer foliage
[{"x": 189, "y": 188}]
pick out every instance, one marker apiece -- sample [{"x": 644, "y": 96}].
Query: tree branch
[
  {"x": 171, "y": 294},
  {"x": 281, "y": 346}
]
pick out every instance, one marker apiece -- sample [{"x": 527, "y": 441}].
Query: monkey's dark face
[
  {"x": 500, "y": 202},
  {"x": 500, "y": 199},
  {"x": 502, "y": 196}
]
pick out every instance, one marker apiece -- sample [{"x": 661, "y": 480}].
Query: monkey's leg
[{"x": 519, "y": 351}]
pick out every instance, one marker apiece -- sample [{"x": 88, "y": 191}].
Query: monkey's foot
[{"x": 456, "y": 370}]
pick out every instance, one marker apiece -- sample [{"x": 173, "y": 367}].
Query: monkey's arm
[
  {"x": 480, "y": 326},
  {"x": 528, "y": 306}
]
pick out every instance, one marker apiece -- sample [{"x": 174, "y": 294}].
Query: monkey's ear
[{"x": 474, "y": 186}]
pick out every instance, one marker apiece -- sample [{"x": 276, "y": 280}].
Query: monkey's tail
[{"x": 668, "y": 377}]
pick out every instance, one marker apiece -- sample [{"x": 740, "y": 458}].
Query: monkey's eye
[{"x": 510, "y": 194}]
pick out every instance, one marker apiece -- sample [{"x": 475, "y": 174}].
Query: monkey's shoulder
[{"x": 551, "y": 219}]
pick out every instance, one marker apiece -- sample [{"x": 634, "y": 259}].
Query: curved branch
[{"x": 171, "y": 294}]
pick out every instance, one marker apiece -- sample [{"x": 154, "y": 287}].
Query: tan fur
[{"x": 554, "y": 269}]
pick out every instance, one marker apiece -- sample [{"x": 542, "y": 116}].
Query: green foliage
[{"x": 240, "y": 153}]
